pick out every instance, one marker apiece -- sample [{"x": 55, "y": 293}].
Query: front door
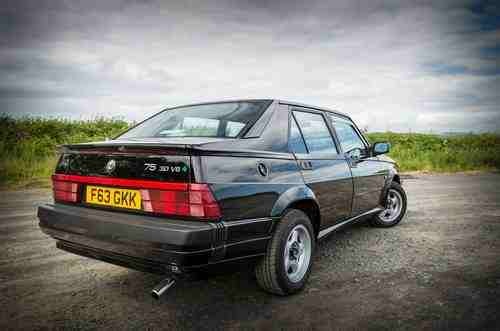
[
  {"x": 368, "y": 172},
  {"x": 324, "y": 170}
]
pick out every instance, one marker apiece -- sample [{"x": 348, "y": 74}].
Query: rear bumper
[{"x": 152, "y": 244}]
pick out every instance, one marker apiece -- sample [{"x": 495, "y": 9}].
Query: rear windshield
[{"x": 225, "y": 119}]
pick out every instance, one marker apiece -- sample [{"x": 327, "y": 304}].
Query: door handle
[{"x": 306, "y": 165}]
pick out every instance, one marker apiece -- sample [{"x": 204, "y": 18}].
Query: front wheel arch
[{"x": 379, "y": 222}]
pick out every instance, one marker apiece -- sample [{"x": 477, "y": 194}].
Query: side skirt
[{"x": 349, "y": 221}]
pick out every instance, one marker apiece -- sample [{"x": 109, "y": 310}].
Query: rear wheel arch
[
  {"x": 311, "y": 209},
  {"x": 300, "y": 198},
  {"x": 274, "y": 271}
]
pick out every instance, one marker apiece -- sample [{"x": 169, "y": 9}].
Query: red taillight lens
[
  {"x": 202, "y": 202},
  {"x": 181, "y": 199},
  {"x": 64, "y": 191},
  {"x": 197, "y": 201}
]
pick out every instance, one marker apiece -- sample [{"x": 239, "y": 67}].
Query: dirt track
[{"x": 439, "y": 269}]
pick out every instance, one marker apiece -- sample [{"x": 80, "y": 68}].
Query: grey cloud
[{"x": 372, "y": 59}]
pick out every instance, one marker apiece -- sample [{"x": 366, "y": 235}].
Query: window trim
[
  {"x": 354, "y": 126},
  {"x": 338, "y": 151},
  {"x": 291, "y": 118}
]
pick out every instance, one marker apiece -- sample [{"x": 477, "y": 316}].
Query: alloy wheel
[{"x": 297, "y": 253}]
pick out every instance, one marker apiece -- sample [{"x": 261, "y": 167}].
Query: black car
[{"x": 196, "y": 186}]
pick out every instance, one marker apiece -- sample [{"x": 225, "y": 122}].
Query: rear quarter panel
[{"x": 242, "y": 192}]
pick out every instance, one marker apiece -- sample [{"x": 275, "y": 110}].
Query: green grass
[
  {"x": 28, "y": 148},
  {"x": 427, "y": 152}
]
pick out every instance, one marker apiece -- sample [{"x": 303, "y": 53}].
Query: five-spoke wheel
[
  {"x": 297, "y": 253},
  {"x": 395, "y": 207},
  {"x": 286, "y": 266}
]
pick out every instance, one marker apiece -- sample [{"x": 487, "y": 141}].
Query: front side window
[
  {"x": 225, "y": 120},
  {"x": 347, "y": 135},
  {"x": 315, "y": 132}
]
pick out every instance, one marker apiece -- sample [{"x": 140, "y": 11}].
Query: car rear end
[
  {"x": 140, "y": 201},
  {"x": 110, "y": 205}
]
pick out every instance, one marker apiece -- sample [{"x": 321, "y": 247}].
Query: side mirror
[
  {"x": 380, "y": 148},
  {"x": 355, "y": 154}
]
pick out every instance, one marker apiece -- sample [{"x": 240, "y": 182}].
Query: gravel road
[{"x": 439, "y": 269}]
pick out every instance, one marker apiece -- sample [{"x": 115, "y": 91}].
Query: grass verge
[
  {"x": 28, "y": 148},
  {"x": 435, "y": 153}
]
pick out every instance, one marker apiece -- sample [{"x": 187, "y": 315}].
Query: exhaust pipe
[{"x": 162, "y": 287}]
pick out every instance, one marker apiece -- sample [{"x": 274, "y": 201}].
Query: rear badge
[
  {"x": 110, "y": 166},
  {"x": 173, "y": 168}
]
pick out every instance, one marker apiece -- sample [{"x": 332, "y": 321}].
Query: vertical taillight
[
  {"x": 64, "y": 191},
  {"x": 202, "y": 202}
]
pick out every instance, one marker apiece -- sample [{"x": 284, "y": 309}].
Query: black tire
[
  {"x": 270, "y": 270},
  {"x": 378, "y": 221}
]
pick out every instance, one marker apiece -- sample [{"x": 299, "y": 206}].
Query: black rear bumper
[{"x": 152, "y": 244}]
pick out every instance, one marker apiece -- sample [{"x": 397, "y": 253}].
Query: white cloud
[{"x": 377, "y": 61}]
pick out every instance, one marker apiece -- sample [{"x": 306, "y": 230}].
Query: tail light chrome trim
[
  {"x": 168, "y": 198},
  {"x": 121, "y": 182}
]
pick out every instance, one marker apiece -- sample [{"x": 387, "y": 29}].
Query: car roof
[
  {"x": 281, "y": 101},
  {"x": 298, "y": 104}
]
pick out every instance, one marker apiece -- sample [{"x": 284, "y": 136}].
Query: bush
[
  {"x": 28, "y": 146},
  {"x": 415, "y": 151}
]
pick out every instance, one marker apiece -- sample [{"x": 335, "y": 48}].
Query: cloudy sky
[{"x": 392, "y": 65}]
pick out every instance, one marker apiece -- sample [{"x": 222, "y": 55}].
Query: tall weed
[{"x": 28, "y": 147}]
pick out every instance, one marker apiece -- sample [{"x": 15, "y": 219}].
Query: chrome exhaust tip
[{"x": 162, "y": 287}]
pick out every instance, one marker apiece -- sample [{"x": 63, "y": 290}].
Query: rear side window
[
  {"x": 296, "y": 142},
  {"x": 226, "y": 119},
  {"x": 347, "y": 135},
  {"x": 315, "y": 132}
]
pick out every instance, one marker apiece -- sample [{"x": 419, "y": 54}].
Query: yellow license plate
[{"x": 113, "y": 197}]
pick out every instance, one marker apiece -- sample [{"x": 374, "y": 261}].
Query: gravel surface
[{"x": 438, "y": 269}]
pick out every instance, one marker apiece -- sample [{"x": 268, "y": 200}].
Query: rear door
[
  {"x": 323, "y": 168},
  {"x": 367, "y": 171}
]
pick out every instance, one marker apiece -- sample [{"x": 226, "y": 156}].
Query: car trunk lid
[{"x": 158, "y": 175}]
